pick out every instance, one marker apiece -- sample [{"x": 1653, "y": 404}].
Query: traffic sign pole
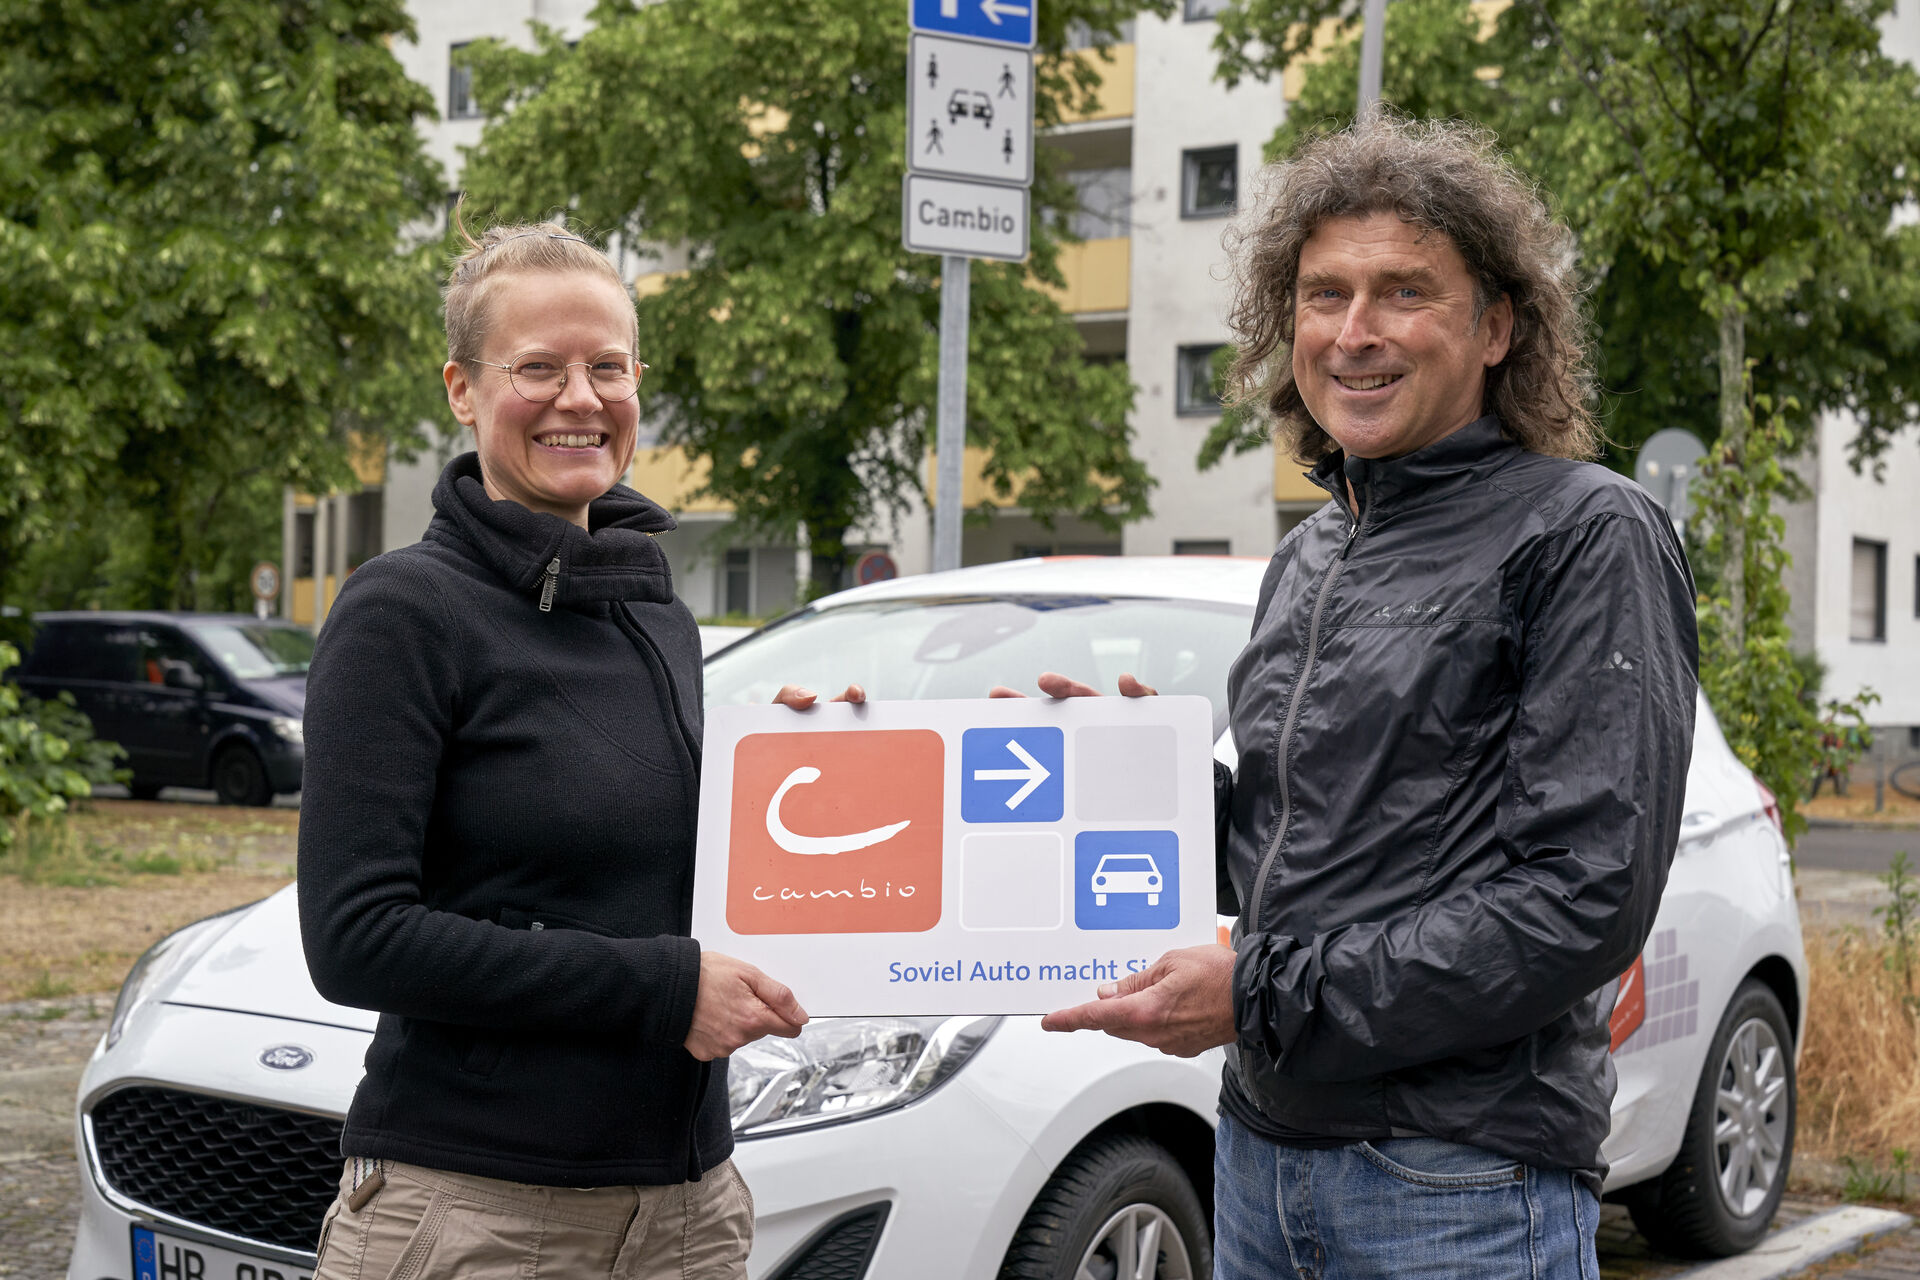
[{"x": 950, "y": 434}]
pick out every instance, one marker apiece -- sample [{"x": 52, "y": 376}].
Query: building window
[
  {"x": 1203, "y": 547},
  {"x": 1209, "y": 179},
  {"x": 364, "y": 527},
  {"x": 303, "y": 543},
  {"x": 739, "y": 581},
  {"x": 1204, "y": 10},
  {"x": 1869, "y": 620},
  {"x": 1080, "y": 35},
  {"x": 1196, "y": 392},
  {"x": 460, "y": 103},
  {"x": 1103, "y": 204}
]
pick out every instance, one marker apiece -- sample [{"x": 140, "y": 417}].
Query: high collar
[
  {"x": 1387, "y": 484},
  {"x": 614, "y": 558}
]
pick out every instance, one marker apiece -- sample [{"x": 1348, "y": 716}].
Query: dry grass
[
  {"x": 1860, "y": 1071},
  {"x": 1857, "y": 804},
  {"x": 80, "y": 901}
]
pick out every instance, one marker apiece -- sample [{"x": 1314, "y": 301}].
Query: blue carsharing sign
[
  {"x": 1013, "y": 775},
  {"x": 1008, "y": 22}
]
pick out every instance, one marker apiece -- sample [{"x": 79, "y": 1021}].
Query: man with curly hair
[{"x": 1464, "y": 721}]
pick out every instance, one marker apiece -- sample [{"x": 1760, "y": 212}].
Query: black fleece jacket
[{"x": 496, "y": 846}]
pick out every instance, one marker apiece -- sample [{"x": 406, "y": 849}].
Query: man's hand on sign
[
  {"x": 1055, "y": 685},
  {"x": 736, "y": 1005},
  {"x": 792, "y": 695},
  {"x": 1182, "y": 1004}
]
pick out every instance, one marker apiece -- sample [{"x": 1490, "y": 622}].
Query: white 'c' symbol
[{"x": 819, "y": 844}]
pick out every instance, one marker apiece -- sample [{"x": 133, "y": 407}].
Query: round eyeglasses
[{"x": 541, "y": 375}]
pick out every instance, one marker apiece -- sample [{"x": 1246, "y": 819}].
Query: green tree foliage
[
  {"x": 48, "y": 755},
  {"x": 1790, "y": 141},
  {"x": 798, "y": 353},
  {"x": 203, "y": 288}
]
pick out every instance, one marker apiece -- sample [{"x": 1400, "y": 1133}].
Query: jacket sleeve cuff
[
  {"x": 1255, "y": 963},
  {"x": 673, "y": 967}
]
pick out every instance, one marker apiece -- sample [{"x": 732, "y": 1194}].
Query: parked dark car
[{"x": 197, "y": 699}]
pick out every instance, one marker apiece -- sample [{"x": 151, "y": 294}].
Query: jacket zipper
[
  {"x": 1293, "y": 714},
  {"x": 650, "y": 652},
  {"x": 550, "y": 585}
]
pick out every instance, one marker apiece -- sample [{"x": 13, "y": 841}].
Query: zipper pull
[{"x": 551, "y": 585}]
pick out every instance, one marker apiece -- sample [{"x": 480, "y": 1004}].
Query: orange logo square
[{"x": 836, "y": 832}]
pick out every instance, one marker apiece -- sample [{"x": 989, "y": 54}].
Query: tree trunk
[{"x": 1733, "y": 450}]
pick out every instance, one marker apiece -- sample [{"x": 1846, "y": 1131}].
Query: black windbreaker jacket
[{"x": 1464, "y": 721}]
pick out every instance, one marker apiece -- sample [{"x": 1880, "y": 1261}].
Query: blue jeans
[{"x": 1405, "y": 1208}]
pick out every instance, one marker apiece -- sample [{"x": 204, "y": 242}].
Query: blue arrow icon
[
  {"x": 1008, "y": 22},
  {"x": 1012, "y": 775}
]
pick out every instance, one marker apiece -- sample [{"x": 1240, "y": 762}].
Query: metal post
[
  {"x": 950, "y": 433},
  {"x": 1373, "y": 40}
]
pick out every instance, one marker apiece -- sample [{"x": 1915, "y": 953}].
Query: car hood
[
  {"x": 257, "y": 967},
  {"x": 285, "y": 694}
]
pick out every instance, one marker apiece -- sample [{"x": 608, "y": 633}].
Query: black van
[{"x": 197, "y": 699}]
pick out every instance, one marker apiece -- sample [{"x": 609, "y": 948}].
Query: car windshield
[
  {"x": 960, "y": 647},
  {"x": 1125, "y": 864},
  {"x": 256, "y": 650}
]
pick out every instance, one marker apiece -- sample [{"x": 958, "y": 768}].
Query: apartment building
[{"x": 1161, "y": 162}]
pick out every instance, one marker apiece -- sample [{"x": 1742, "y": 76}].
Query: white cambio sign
[
  {"x": 975, "y": 219},
  {"x": 983, "y": 856}
]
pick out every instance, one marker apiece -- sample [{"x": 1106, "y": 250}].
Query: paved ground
[
  {"x": 44, "y": 1043},
  {"x": 1867, "y": 849}
]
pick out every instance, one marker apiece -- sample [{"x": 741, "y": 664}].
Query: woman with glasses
[{"x": 497, "y": 830}]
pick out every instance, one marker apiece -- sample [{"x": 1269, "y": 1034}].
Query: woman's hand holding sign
[{"x": 1055, "y": 685}]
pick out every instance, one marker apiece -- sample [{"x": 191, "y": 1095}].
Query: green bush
[{"x": 48, "y": 754}]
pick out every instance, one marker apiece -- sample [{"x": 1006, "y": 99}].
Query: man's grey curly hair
[{"x": 1443, "y": 177}]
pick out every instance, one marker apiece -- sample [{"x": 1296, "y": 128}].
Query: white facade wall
[{"x": 1179, "y": 290}]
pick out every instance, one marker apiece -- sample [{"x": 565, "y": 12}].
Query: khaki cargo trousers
[{"x": 424, "y": 1224}]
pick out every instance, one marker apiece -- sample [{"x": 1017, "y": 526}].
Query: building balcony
[
  {"x": 669, "y": 477},
  {"x": 1096, "y": 273},
  {"x": 1115, "y": 95}
]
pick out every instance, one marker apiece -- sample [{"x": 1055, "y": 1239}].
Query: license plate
[{"x": 163, "y": 1257}]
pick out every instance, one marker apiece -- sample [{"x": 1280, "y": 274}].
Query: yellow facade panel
[
  {"x": 1290, "y": 483},
  {"x": 668, "y": 476},
  {"x": 1096, "y": 273},
  {"x": 1115, "y": 95}
]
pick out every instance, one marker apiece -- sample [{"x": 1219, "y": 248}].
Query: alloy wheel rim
[
  {"x": 1140, "y": 1242},
  {"x": 1750, "y": 1118}
]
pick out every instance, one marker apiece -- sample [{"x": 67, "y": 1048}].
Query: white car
[{"x": 961, "y": 1147}]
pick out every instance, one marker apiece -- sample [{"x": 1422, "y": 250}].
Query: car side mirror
[{"x": 178, "y": 674}]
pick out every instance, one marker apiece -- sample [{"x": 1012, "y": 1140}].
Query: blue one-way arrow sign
[{"x": 1008, "y": 22}]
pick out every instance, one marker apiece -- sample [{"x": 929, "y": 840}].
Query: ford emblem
[{"x": 286, "y": 1057}]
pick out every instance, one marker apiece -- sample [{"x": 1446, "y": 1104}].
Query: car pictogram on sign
[{"x": 1126, "y": 873}]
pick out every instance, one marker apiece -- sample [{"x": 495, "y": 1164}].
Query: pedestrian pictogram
[
  {"x": 1012, "y": 775},
  {"x": 970, "y": 111}
]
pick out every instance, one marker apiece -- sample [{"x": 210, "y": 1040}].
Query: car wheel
[
  {"x": 1099, "y": 899},
  {"x": 1153, "y": 899},
  {"x": 1721, "y": 1191},
  {"x": 240, "y": 778},
  {"x": 1118, "y": 1208},
  {"x": 144, "y": 790}
]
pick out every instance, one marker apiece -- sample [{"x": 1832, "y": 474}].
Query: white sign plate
[
  {"x": 972, "y": 219},
  {"x": 970, "y": 110},
  {"x": 982, "y": 856}
]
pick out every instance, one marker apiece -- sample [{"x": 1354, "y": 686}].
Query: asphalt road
[{"x": 1868, "y": 849}]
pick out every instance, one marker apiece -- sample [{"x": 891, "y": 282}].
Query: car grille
[
  {"x": 839, "y": 1251},
  {"x": 251, "y": 1171}
]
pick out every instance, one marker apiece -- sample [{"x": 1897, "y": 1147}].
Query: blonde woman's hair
[
  {"x": 503, "y": 251},
  {"x": 1448, "y": 179}
]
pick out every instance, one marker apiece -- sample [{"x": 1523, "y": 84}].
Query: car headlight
[
  {"x": 161, "y": 961},
  {"x": 288, "y": 728},
  {"x": 843, "y": 1068}
]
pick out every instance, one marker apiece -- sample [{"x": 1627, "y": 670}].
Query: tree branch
[{"x": 1626, "y": 135}]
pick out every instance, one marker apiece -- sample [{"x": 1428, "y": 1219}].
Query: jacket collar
[
  {"x": 1387, "y": 484},
  {"x": 615, "y": 558}
]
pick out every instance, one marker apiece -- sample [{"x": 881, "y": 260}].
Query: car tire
[
  {"x": 1721, "y": 1191},
  {"x": 1107, "y": 1199},
  {"x": 240, "y": 778},
  {"x": 144, "y": 790}
]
